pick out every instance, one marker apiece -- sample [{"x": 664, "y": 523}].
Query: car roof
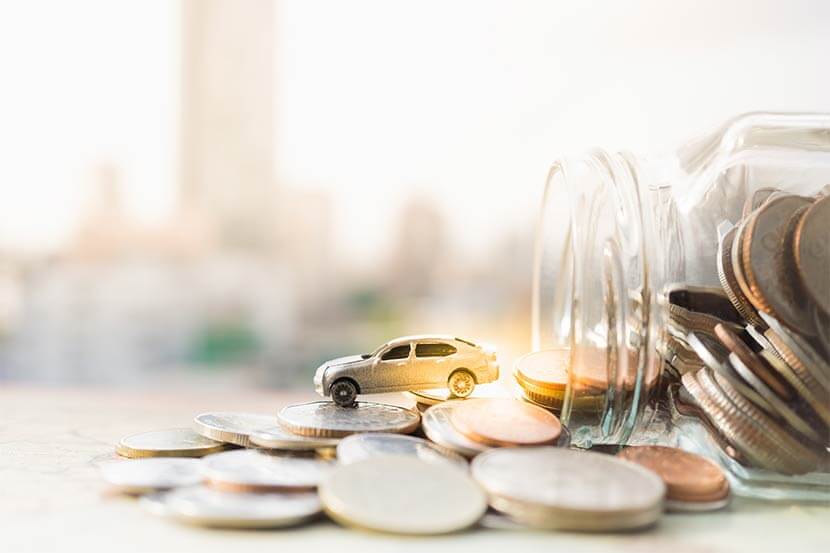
[{"x": 422, "y": 338}]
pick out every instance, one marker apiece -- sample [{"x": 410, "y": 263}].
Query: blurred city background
[{"x": 225, "y": 193}]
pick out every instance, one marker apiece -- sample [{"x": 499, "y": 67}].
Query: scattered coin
[
  {"x": 676, "y": 506},
  {"x": 232, "y": 427},
  {"x": 505, "y": 422},
  {"x": 548, "y": 487},
  {"x": 439, "y": 395},
  {"x": 251, "y": 470},
  {"x": 172, "y": 442},
  {"x": 689, "y": 478},
  {"x": 203, "y": 506},
  {"x": 438, "y": 427},
  {"x": 277, "y": 437},
  {"x": 137, "y": 476},
  {"x": 402, "y": 495},
  {"x": 325, "y": 419},
  {"x": 363, "y": 446}
]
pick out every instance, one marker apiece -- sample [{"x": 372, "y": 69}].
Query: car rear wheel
[
  {"x": 461, "y": 383},
  {"x": 344, "y": 392}
]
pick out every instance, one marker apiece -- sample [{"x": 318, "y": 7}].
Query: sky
[{"x": 464, "y": 102}]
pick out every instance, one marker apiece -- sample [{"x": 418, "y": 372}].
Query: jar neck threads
[{"x": 592, "y": 292}]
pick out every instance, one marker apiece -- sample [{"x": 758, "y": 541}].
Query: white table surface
[{"x": 52, "y": 499}]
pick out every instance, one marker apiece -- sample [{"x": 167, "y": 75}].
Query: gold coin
[
  {"x": 172, "y": 442},
  {"x": 402, "y": 495}
]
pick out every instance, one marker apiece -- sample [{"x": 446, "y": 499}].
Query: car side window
[
  {"x": 398, "y": 352},
  {"x": 434, "y": 350}
]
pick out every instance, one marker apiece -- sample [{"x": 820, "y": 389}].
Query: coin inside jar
[
  {"x": 763, "y": 242},
  {"x": 688, "y": 477},
  {"x": 504, "y": 422},
  {"x": 812, "y": 252},
  {"x": 171, "y": 442},
  {"x": 327, "y": 419},
  {"x": 757, "y": 365},
  {"x": 252, "y": 470}
]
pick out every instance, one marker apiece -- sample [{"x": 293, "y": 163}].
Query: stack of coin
[
  {"x": 761, "y": 372},
  {"x": 543, "y": 378},
  {"x": 693, "y": 483},
  {"x": 547, "y": 487}
]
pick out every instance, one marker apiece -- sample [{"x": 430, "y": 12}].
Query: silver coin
[
  {"x": 810, "y": 360},
  {"x": 781, "y": 407},
  {"x": 206, "y": 507},
  {"x": 326, "y": 419},
  {"x": 716, "y": 357},
  {"x": 438, "y": 427},
  {"x": 144, "y": 475},
  {"x": 277, "y": 437},
  {"x": 764, "y": 241},
  {"x": 232, "y": 427},
  {"x": 569, "y": 487},
  {"x": 494, "y": 520},
  {"x": 675, "y": 506},
  {"x": 254, "y": 470},
  {"x": 171, "y": 442},
  {"x": 363, "y": 446},
  {"x": 402, "y": 495}
]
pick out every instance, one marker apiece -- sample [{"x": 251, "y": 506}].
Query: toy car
[{"x": 408, "y": 363}]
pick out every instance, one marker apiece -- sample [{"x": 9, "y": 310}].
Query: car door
[
  {"x": 434, "y": 362},
  {"x": 393, "y": 368}
]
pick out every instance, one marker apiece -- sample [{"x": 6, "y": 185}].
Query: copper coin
[
  {"x": 812, "y": 252},
  {"x": 687, "y": 476},
  {"x": 758, "y": 198},
  {"x": 761, "y": 261},
  {"x": 506, "y": 422},
  {"x": 756, "y": 364}
]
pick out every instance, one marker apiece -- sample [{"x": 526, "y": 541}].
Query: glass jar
[{"x": 618, "y": 235}]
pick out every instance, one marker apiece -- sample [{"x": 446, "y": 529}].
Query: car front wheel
[
  {"x": 461, "y": 383},
  {"x": 344, "y": 392}
]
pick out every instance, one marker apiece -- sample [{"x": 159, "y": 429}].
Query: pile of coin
[
  {"x": 755, "y": 355},
  {"x": 363, "y": 468}
]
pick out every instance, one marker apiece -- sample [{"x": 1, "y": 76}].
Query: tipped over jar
[{"x": 685, "y": 298}]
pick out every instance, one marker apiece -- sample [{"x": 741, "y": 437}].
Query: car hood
[{"x": 344, "y": 360}]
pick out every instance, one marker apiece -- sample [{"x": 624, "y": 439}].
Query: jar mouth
[{"x": 591, "y": 294}]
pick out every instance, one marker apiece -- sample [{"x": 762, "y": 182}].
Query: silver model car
[{"x": 408, "y": 363}]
